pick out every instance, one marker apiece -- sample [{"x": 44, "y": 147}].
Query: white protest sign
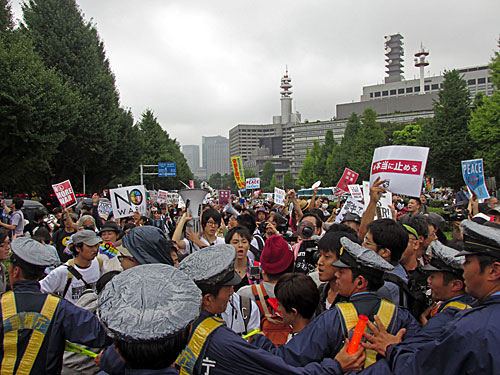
[
  {"x": 402, "y": 167},
  {"x": 104, "y": 209},
  {"x": 162, "y": 196},
  {"x": 356, "y": 191},
  {"x": 279, "y": 196},
  {"x": 382, "y": 205},
  {"x": 65, "y": 194},
  {"x": 180, "y": 202},
  {"x": 127, "y": 200},
  {"x": 350, "y": 206},
  {"x": 173, "y": 198},
  {"x": 252, "y": 183},
  {"x": 153, "y": 194}
]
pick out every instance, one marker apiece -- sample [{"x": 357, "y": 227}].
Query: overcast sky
[{"x": 204, "y": 66}]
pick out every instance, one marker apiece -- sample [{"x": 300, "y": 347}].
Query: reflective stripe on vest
[
  {"x": 13, "y": 322},
  {"x": 457, "y": 305},
  {"x": 350, "y": 316},
  {"x": 187, "y": 359}
]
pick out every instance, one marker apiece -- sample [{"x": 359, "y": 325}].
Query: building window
[
  {"x": 489, "y": 79},
  {"x": 435, "y": 86},
  {"x": 471, "y": 82},
  {"x": 427, "y": 88},
  {"x": 377, "y": 94},
  {"x": 417, "y": 88},
  {"x": 481, "y": 80},
  {"x": 409, "y": 90},
  {"x": 393, "y": 92},
  {"x": 401, "y": 91},
  {"x": 371, "y": 95},
  {"x": 385, "y": 93}
]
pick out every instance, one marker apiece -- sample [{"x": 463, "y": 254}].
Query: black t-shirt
[
  {"x": 60, "y": 240},
  {"x": 306, "y": 257}
]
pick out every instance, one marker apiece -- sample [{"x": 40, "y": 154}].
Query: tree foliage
[
  {"x": 408, "y": 136},
  {"x": 267, "y": 174},
  {"x": 288, "y": 181},
  {"x": 447, "y": 134},
  {"x": 485, "y": 124}
]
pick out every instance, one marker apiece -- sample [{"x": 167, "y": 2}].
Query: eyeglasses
[
  {"x": 212, "y": 223},
  {"x": 122, "y": 257}
]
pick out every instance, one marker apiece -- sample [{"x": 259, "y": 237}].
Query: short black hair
[
  {"x": 18, "y": 203},
  {"x": 248, "y": 221},
  {"x": 420, "y": 224},
  {"x": 241, "y": 231},
  {"x": 374, "y": 283},
  {"x": 153, "y": 354},
  {"x": 211, "y": 213},
  {"x": 212, "y": 289},
  {"x": 319, "y": 222},
  {"x": 42, "y": 234},
  {"x": 417, "y": 199},
  {"x": 448, "y": 277},
  {"x": 390, "y": 235},
  {"x": 297, "y": 291},
  {"x": 30, "y": 271},
  {"x": 330, "y": 242},
  {"x": 4, "y": 233},
  {"x": 486, "y": 260}
]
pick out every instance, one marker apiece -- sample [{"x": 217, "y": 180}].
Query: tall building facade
[
  {"x": 192, "y": 155},
  {"x": 215, "y": 152}
]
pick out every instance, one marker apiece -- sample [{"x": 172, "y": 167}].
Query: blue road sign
[{"x": 167, "y": 170}]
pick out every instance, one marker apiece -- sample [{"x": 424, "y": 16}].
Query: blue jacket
[
  {"x": 68, "y": 323},
  {"x": 467, "y": 345},
  {"x": 165, "y": 371},
  {"x": 225, "y": 353},
  {"x": 324, "y": 336}
]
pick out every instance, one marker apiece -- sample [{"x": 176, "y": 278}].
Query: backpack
[
  {"x": 271, "y": 324},
  {"x": 257, "y": 251},
  {"x": 416, "y": 299},
  {"x": 72, "y": 272}
]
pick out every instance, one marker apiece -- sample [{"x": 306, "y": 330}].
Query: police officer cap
[
  {"x": 33, "y": 252},
  {"x": 353, "y": 255},
  {"x": 148, "y": 302},
  {"x": 351, "y": 217},
  {"x": 213, "y": 265},
  {"x": 444, "y": 259},
  {"x": 480, "y": 239}
]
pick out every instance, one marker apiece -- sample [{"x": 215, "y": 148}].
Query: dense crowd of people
[{"x": 261, "y": 288}]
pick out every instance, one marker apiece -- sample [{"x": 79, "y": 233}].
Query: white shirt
[
  {"x": 234, "y": 319},
  {"x": 56, "y": 280},
  {"x": 191, "y": 247}
]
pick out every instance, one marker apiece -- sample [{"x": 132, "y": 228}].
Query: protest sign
[
  {"x": 383, "y": 209},
  {"x": 127, "y": 200},
  {"x": 162, "y": 196},
  {"x": 402, "y": 167},
  {"x": 356, "y": 191},
  {"x": 65, "y": 194},
  {"x": 252, "y": 183},
  {"x": 153, "y": 194},
  {"x": 191, "y": 184},
  {"x": 173, "y": 198},
  {"x": 104, "y": 209},
  {"x": 108, "y": 249},
  {"x": 351, "y": 205},
  {"x": 473, "y": 173},
  {"x": 349, "y": 177},
  {"x": 279, "y": 196},
  {"x": 224, "y": 196},
  {"x": 239, "y": 175}
]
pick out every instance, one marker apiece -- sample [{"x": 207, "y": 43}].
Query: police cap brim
[{"x": 340, "y": 264}]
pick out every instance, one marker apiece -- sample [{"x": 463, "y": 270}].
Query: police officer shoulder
[
  {"x": 361, "y": 274},
  {"x": 35, "y": 325},
  {"x": 213, "y": 348}
]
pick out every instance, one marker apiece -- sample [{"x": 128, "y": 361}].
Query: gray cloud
[{"x": 205, "y": 66}]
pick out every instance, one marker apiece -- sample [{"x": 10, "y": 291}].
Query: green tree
[
  {"x": 6, "y": 23},
  {"x": 389, "y": 128},
  {"x": 308, "y": 175},
  {"x": 36, "y": 108},
  {"x": 409, "y": 135},
  {"x": 215, "y": 181},
  {"x": 249, "y": 173},
  {"x": 369, "y": 137},
  {"x": 272, "y": 185},
  {"x": 267, "y": 174},
  {"x": 340, "y": 157},
  {"x": 485, "y": 124},
  {"x": 228, "y": 182},
  {"x": 288, "y": 181},
  {"x": 71, "y": 46},
  {"x": 160, "y": 148},
  {"x": 328, "y": 148},
  {"x": 448, "y": 134}
]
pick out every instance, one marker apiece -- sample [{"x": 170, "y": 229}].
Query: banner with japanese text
[
  {"x": 402, "y": 167},
  {"x": 349, "y": 177},
  {"x": 239, "y": 175}
]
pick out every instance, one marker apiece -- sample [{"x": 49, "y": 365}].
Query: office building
[
  {"x": 192, "y": 155},
  {"x": 216, "y": 155}
]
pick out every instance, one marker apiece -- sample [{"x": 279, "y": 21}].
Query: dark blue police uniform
[{"x": 68, "y": 323}]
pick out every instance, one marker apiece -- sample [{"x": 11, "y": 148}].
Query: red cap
[{"x": 276, "y": 256}]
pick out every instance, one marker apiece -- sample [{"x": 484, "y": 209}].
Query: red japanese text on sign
[{"x": 398, "y": 166}]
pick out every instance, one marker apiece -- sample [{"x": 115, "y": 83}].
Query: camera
[
  {"x": 254, "y": 273},
  {"x": 305, "y": 230},
  {"x": 262, "y": 227},
  {"x": 457, "y": 212}
]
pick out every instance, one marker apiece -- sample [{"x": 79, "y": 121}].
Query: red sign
[
  {"x": 398, "y": 166},
  {"x": 224, "y": 196},
  {"x": 191, "y": 184},
  {"x": 349, "y": 177},
  {"x": 65, "y": 194}
]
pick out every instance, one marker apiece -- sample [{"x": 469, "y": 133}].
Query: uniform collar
[{"x": 26, "y": 286}]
